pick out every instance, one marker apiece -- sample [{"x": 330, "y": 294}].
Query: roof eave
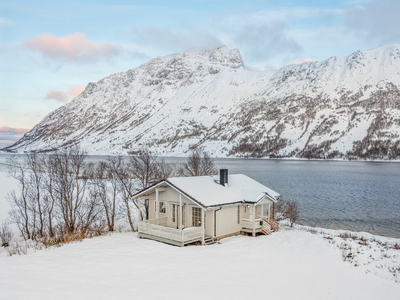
[
  {"x": 266, "y": 195},
  {"x": 153, "y": 186}
]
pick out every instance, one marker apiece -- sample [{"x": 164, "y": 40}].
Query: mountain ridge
[{"x": 342, "y": 107}]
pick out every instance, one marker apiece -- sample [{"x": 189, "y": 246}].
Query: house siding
[
  {"x": 171, "y": 196},
  {"x": 227, "y": 221}
]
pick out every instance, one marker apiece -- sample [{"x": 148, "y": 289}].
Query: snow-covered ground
[
  {"x": 301, "y": 263},
  {"x": 290, "y": 264}
]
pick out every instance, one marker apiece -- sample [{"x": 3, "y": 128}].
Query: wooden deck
[{"x": 156, "y": 229}]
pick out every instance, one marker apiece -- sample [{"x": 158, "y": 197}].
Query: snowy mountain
[{"x": 343, "y": 107}]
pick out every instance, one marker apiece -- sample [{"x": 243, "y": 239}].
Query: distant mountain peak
[{"x": 342, "y": 107}]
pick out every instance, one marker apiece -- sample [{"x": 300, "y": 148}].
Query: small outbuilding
[{"x": 185, "y": 210}]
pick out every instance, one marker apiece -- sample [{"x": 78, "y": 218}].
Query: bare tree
[
  {"x": 21, "y": 204},
  {"x": 125, "y": 183},
  {"x": 105, "y": 187},
  {"x": 35, "y": 164},
  {"x": 144, "y": 167},
  {"x": 147, "y": 168},
  {"x": 69, "y": 180},
  {"x": 164, "y": 170},
  {"x": 199, "y": 163}
]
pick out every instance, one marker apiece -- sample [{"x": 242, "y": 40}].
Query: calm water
[{"x": 359, "y": 196}]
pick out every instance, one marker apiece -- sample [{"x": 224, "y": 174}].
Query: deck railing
[
  {"x": 251, "y": 224},
  {"x": 274, "y": 224},
  {"x": 158, "y": 228}
]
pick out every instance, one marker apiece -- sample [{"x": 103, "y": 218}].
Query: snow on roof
[{"x": 208, "y": 191}]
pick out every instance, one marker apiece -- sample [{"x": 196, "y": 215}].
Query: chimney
[{"x": 223, "y": 176}]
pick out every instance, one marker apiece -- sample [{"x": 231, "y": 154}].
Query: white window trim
[{"x": 196, "y": 218}]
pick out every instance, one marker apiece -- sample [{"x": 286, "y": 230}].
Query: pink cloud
[
  {"x": 9, "y": 135},
  {"x": 5, "y": 129},
  {"x": 73, "y": 47},
  {"x": 300, "y": 61},
  {"x": 57, "y": 95},
  {"x": 65, "y": 96},
  {"x": 76, "y": 90}
]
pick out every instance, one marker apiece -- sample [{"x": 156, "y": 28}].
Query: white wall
[
  {"x": 227, "y": 221},
  {"x": 210, "y": 222}
]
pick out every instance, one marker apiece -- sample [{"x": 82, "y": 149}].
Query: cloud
[
  {"x": 76, "y": 90},
  {"x": 9, "y": 135},
  {"x": 57, "y": 95},
  {"x": 65, "y": 96},
  {"x": 12, "y": 130},
  {"x": 286, "y": 13},
  {"x": 74, "y": 47},
  {"x": 300, "y": 61},
  {"x": 262, "y": 42},
  {"x": 5, "y": 22},
  {"x": 377, "y": 20},
  {"x": 174, "y": 39}
]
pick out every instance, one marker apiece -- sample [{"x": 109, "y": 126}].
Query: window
[
  {"x": 155, "y": 206},
  {"x": 173, "y": 213},
  {"x": 196, "y": 216},
  {"x": 259, "y": 210},
  {"x": 266, "y": 210},
  {"x": 163, "y": 207},
  {"x": 238, "y": 214}
]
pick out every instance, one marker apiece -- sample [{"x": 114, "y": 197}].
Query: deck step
[{"x": 209, "y": 241}]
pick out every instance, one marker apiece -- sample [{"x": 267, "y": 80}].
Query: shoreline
[{"x": 245, "y": 158}]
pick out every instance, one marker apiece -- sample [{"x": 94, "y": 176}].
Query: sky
[{"x": 50, "y": 50}]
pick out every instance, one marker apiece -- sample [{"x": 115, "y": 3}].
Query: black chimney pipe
[{"x": 223, "y": 176}]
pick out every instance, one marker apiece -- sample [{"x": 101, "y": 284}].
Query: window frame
[
  {"x": 174, "y": 213},
  {"x": 196, "y": 216},
  {"x": 162, "y": 208}
]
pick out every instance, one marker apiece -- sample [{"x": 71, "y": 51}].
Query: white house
[{"x": 184, "y": 210}]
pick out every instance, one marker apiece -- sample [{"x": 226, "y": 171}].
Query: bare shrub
[
  {"x": 344, "y": 235},
  {"x": 291, "y": 212},
  {"x": 17, "y": 248},
  {"x": 279, "y": 210},
  {"x": 347, "y": 252},
  {"x": 6, "y": 235}
]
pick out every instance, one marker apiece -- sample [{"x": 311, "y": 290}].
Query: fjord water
[{"x": 353, "y": 195}]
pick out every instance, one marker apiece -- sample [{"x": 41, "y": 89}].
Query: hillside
[{"x": 343, "y": 107}]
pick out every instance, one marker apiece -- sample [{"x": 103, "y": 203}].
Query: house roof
[{"x": 207, "y": 191}]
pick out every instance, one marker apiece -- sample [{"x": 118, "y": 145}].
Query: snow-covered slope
[
  {"x": 289, "y": 264},
  {"x": 341, "y": 107}
]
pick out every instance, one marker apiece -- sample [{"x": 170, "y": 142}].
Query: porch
[
  {"x": 157, "y": 229},
  {"x": 263, "y": 225}
]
